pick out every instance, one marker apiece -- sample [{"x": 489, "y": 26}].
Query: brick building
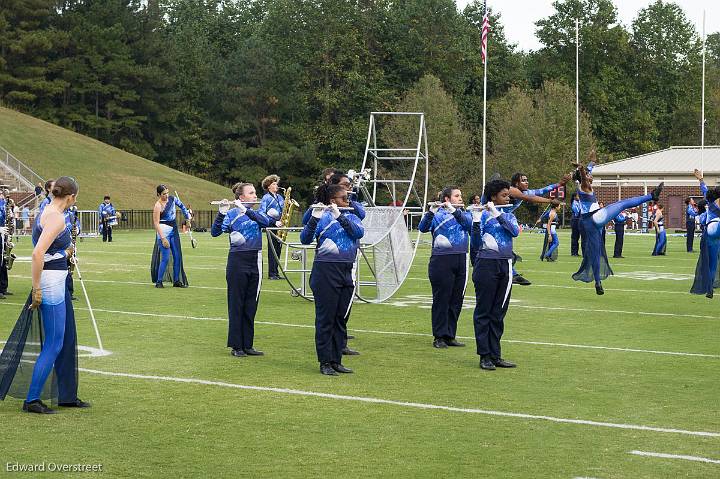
[{"x": 640, "y": 174}]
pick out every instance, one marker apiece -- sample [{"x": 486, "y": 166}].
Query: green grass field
[{"x": 598, "y": 377}]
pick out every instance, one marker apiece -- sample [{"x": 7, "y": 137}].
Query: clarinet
[
  {"x": 8, "y": 255},
  {"x": 73, "y": 238}
]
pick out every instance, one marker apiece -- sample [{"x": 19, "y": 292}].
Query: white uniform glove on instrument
[
  {"x": 318, "y": 210},
  {"x": 491, "y": 208},
  {"x": 224, "y": 207},
  {"x": 434, "y": 208},
  {"x": 448, "y": 206},
  {"x": 241, "y": 207},
  {"x": 3, "y": 230},
  {"x": 334, "y": 211}
]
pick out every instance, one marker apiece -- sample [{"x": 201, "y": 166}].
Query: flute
[{"x": 234, "y": 202}]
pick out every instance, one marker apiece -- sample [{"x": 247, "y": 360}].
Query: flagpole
[
  {"x": 577, "y": 90},
  {"x": 702, "y": 121},
  {"x": 484, "y": 136}
]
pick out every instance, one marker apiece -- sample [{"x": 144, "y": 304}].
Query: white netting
[{"x": 387, "y": 250}]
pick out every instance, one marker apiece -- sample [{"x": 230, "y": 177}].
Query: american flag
[{"x": 485, "y": 30}]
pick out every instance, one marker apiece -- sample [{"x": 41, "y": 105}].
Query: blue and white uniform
[
  {"x": 161, "y": 255},
  {"x": 690, "y": 215},
  {"x": 447, "y": 268},
  {"x": 575, "y": 228},
  {"x": 551, "y": 241},
  {"x": 105, "y": 212},
  {"x": 492, "y": 277},
  {"x": 707, "y": 274},
  {"x": 243, "y": 272},
  {"x": 337, "y": 242},
  {"x": 272, "y": 206},
  {"x": 660, "y": 238}
]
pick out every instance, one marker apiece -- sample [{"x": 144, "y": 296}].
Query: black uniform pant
[
  {"x": 3, "y": 272},
  {"x": 575, "y": 237},
  {"x": 493, "y": 283},
  {"x": 107, "y": 233},
  {"x": 619, "y": 240},
  {"x": 447, "y": 275},
  {"x": 332, "y": 285},
  {"x": 690, "y": 226},
  {"x": 69, "y": 283},
  {"x": 272, "y": 263},
  {"x": 243, "y": 275}
]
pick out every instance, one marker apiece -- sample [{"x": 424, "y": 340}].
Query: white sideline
[
  {"x": 674, "y": 456},
  {"x": 406, "y": 333},
  {"x": 364, "y": 399}
]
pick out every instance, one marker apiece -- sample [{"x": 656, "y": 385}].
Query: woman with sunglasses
[{"x": 337, "y": 234}]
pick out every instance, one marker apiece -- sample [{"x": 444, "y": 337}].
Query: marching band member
[
  {"x": 167, "y": 241},
  {"x": 272, "y": 205},
  {"x": 619, "y": 225},
  {"x": 575, "y": 226},
  {"x": 337, "y": 234},
  {"x": 690, "y": 215},
  {"x": 593, "y": 219},
  {"x": 707, "y": 275},
  {"x": 72, "y": 221},
  {"x": 450, "y": 227},
  {"x": 660, "y": 235},
  {"x": 475, "y": 236},
  {"x": 53, "y": 245},
  {"x": 48, "y": 197},
  {"x": 105, "y": 211},
  {"x": 551, "y": 242},
  {"x": 4, "y": 239},
  {"x": 244, "y": 266},
  {"x": 492, "y": 275}
]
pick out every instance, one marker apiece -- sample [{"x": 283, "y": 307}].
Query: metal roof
[{"x": 676, "y": 160}]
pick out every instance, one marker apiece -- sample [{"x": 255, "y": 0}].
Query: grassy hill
[{"x": 101, "y": 169}]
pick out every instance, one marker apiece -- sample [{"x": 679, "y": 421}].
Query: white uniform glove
[
  {"x": 318, "y": 210},
  {"x": 224, "y": 207},
  {"x": 278, "y": 224},
  {"x": 448, "y": 206},
  {"x": 241, "y": 207},
  {"x": 491, "y": 208},
  {"x": 434, "y": 208},
  {"x": 335, "y": 211},
  {"x": 3, "y": 230},
  {"x": 476, "y": 215},
  {"x": 188, "y": 217}
]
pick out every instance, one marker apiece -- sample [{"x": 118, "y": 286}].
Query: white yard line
[
  {"x": 403, "y": 333},
  {"x": 405, "y": 404},
  {"x": 675, "y": 456}
]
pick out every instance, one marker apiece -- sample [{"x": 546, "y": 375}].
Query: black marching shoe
[
  {"x": 656, "y": 192},
  {"x": 37, "y": 407},
  {"x": 76, "y": 403},
  {"x": 253, "y": 352},
  {"x": 439, "y": 343},
  {"x": 159, "y": 284},
  {"x": 340, "y": 368},
  {"x": 8, "y": 293},
  {"x": 275, "y": 277},
  {"x": 350, "y": 336},
  {"x": 487, "y": 364},
  {"x": 517, "y": 279},
  {"x": 350, "y": 352},
  {"x": 238, "y": 353},
  {"x": 709, "y": 295},
  {"x": 2, "y": 296},
  {"x": 327, "y": 370},
  {"x": 599, "y": 289},
  {"x": 179, "y": 284},
  {"x": 454, "y": 342},
  {"x": 501, "y": 363},
  {"x": 73, "y": 298}
]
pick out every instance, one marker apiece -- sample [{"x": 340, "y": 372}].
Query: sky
[{"x": 519, "y": 16}]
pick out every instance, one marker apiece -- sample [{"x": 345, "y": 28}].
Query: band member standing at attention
[
  {"x": 593, "y": 219},
  {"x": 272, "y": 205},
  {"x": 492, "y": 276},
  {"x": 72, "y": 223},
  {"x": 450, "y": 227},
  {"x": 58, "y": 339},
  {"x": 707, "y": 276},
  {"x": 107, "y": 214},
  {"x": 660, "y": 235},
  {"x": 337, "y": 234},
  {"x": 244, "y": 266},
  {"x": 167, "y": 241},
  {"x": 551, "y": 243},
  {"x": 575, "y": 226},
  {"x": 475, "y": 240},
  {"x": 619, "y": 225},
  {"x": 48, "y": 197},
  {"x": 690, "y": 215},
  {"x": 5, "y": 239}
]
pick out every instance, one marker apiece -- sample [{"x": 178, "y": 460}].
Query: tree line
[{"x": 233, "y": 90}]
